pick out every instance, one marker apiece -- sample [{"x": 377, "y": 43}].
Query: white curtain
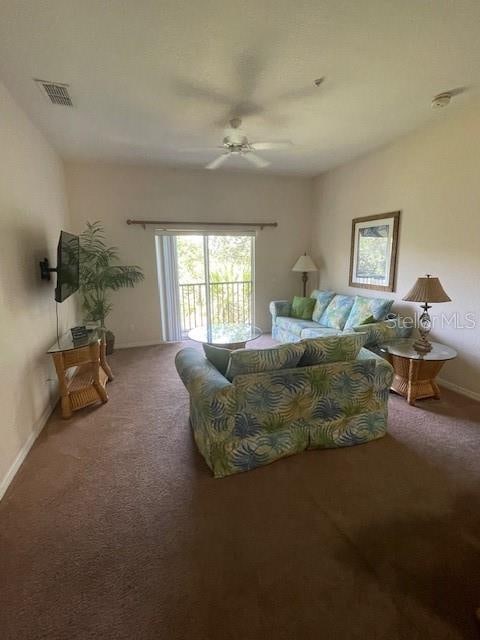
[{"x": 168, "y": 286}]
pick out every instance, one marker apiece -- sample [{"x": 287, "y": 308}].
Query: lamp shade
[
  {"x": 427, "y": 289},
  {"x": 304, "y": 263}
]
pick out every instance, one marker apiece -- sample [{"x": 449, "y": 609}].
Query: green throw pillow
[
  {"x": 341, "y": 348},
  {"x": 369, "y": 320},
  {"x": 218, "y": 356},
  {"x": 302, "y": 308}
]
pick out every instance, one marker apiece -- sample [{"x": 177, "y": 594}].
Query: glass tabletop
[
  {"x": 66, "y": 343},
  {"x": 404, "y": 347},
  {"x": 225, "y": 333}
]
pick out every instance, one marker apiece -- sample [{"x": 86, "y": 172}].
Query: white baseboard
[
  {"x": 462, "y": 390},
  {"x": 22, "y": 454},
  {"x": 130, "y": 345}
]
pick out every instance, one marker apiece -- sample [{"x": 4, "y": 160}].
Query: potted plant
[{"x": 100, "y": 275}]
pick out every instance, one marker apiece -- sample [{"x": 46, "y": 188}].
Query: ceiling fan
[{"x": 236, "y": 143}]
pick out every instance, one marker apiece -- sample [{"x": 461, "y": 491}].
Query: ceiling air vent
[{"x": 55, "y": 92}]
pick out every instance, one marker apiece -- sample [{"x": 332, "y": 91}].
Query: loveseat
[{"x": 253, "y": 419}]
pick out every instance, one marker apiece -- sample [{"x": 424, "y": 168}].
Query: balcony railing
[{"x": 230, "y": 302}]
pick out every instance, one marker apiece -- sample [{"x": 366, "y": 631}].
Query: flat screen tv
[{"x": 68, "y": 264}]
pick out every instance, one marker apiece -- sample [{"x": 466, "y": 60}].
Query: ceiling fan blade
[
  {"x": 198, "y": 149},
  {"x": 264, "y": 146},
  {"x": 214, "y": 164},
  {"x": 260, "y": 163}
]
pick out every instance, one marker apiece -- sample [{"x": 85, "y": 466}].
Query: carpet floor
[{"x": 115, "y": 529}]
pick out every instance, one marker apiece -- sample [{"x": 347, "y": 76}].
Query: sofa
[
  {"x": 255, "y": 418},
  {"x": 334, "y": 314}
]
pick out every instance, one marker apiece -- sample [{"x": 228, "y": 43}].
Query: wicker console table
[{"x": 82, "y": 371}]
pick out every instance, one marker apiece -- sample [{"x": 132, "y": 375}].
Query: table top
[
  {"x": 65, "y": 342},
  {"x": 403, "y": 347},
  {"x": 225, "y": 333}
]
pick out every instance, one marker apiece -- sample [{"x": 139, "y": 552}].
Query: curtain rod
[{"x": 160, "y": 223}]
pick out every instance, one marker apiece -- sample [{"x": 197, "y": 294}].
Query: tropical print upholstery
[
  {"x": 295, "y": 325},
  {"x": 280, "y": 308},
  {"x": 243, "y": 361},
  {"x": 302, "y": 308},
  {"x": 364, "y": 308},
  {"x": 261, "y": 417},
  {"x": 332, "y": 348},
  {"x": 330, "y": 316},
  {"x": 322, "y": 300},
  {"x": 379, "y": 332},
  {"x": 318, "y": 332},
  {"x": 336, "y": 314}
]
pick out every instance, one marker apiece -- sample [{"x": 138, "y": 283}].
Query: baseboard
[
  {"x": 461, "y": 390},
  {"x": 22, "y": 454},
  {"x": 130, "y": 345}
]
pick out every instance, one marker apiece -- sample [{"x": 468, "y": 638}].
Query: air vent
[{"x": 55, "y": 92}]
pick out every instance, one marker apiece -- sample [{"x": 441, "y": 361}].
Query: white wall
[
  {"x": 112, "y": 193},
  {"x": 32, "y": 213},
  {"x": 433, "y": 176}
]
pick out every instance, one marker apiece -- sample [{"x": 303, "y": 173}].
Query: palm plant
[{"x": 99, "y": 275}]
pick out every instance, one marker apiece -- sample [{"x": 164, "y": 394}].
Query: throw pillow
[
  {"x": 369, "y": 320},
  {"x": 322, "y": 300},
  {"x": 218, "y": 356},
  {"x": 285, "y": 356},
  {"x": 336, "y": 314},
  {"x": 339, "y": 348},
  {"x": 363, "y": 307},
  {"x": 302, "y": 308}
]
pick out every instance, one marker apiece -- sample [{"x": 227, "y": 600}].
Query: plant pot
[{"x": 109, "y": 343}]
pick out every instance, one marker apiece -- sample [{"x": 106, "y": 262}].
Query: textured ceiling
[{"x": 152, "y": 77}]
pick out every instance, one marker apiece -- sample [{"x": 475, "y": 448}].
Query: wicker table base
[
  {"x": 414, "y": 374},
  {"x": 415, "y": 379}
]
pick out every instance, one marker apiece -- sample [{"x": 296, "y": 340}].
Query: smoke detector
[
  {"x": 55, "y": 92},
  {"x": 442, "y": 100}
]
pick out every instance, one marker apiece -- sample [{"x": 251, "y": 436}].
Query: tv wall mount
[{"x": 46, "y": 269}]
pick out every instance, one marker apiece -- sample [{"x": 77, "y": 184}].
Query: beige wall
[
  {"x": 32, "y": 213},
  {"x": 113, "y": 193},
  {"x": 433, "y": 177}
]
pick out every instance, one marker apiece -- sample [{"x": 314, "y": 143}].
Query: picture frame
[{"x": 374, "y": 250}]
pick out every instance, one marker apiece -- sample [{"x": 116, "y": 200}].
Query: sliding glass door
[{"x": 211, "y": 280}]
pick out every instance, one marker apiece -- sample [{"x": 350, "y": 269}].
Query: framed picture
[{"x": 373, "y": 252}]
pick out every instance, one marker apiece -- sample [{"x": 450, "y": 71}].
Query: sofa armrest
[
  {"x": 280, "y": 308},
  {"x": 378, "y": 332},
  {"x": 198, "y": 374}
]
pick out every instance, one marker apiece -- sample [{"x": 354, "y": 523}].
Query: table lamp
[
  {"x": 304, "y": 264},
  {"x": 427, "y": 289}
]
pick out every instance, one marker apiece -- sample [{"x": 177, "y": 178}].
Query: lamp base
[
  {"x": 304, "y": 280},
  {"x": 422, "y": 346}
]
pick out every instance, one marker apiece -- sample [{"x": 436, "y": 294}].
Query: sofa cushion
[
  {"x": 294, "y": 325},
  {"x": 302, "y": 308},
  {"x": 218, "y": 356},
  {"x": 322, "y": 300},
  {"x": 318, "y": 332},
  {"x": 364, "y": 307},
  {"x": 343, "y": 347},
  {"x": 243, "y": 361},
  {"x": 336, "y": 313},
  {"x": 384, "y": 331}
]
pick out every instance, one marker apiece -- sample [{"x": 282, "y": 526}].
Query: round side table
[
  {"x": 230, "y": 336},
  {"x": 414, "y": 374}
]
